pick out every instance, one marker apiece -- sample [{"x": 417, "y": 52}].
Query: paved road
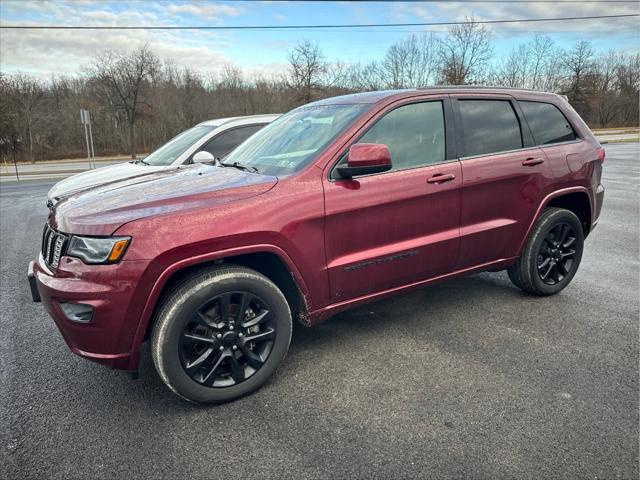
[
  {"x": 53, "y": 169},
  {"x": 618, "y": 137},
  {"x": 469, "y": 378}
]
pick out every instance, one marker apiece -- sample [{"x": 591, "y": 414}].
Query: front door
[{"x": 389, "y": 229}]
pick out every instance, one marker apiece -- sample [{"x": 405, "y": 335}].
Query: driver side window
[{"x": 414, "y": 134}]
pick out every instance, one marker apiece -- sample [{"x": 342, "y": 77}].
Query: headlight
[{"x": 98, "y": 250}]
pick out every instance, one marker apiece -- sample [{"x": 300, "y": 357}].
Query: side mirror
[
  {"x": 365, "y": 158},
  {"x": 203, "y": 157}
]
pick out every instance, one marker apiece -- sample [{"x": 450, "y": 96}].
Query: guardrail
[{"x": 54, "y": 168}]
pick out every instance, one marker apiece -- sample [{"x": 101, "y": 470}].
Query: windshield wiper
[
  {"x": 239, "y": 166},
  {"x": 140, "y": 160}
]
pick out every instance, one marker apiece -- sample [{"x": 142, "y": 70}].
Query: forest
[{"x": 138, "y": 100}]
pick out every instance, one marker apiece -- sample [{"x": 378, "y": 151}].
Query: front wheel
[
  {"x": 552, "y": 254},
  {"x": 221, "y": 334}
]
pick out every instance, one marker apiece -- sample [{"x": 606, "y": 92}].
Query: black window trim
[
  {"x": 578, "y": 139},
  {"x": 525, "y": 132},
  {"x": 207, "y": 142},
  {"x": 450, "y": 142}
]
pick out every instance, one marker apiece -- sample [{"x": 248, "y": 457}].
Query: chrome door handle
[{"x": 441, "y": 177}]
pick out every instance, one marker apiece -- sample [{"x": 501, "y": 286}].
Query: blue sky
[{"x": 46, "y": 52}]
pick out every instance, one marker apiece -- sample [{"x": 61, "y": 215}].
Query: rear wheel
[
  {"x": 552, "y": 254},
  {"x": 221, "y": 334}
]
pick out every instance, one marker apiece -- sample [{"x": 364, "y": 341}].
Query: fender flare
[
  {"x": 545, "y": 201},
  {"x": 162, "y": 279}
]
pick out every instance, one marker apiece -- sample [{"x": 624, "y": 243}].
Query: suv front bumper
[{"x": 115, "y": 292}]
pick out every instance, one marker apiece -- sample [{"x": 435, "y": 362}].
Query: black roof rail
[{"x": 479, "y": 87}]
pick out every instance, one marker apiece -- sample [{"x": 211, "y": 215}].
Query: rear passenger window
[
  {"x": 489, "y": 126},
  {"x": 548, "y": 124},
  {"x": 414, "y": 134}
]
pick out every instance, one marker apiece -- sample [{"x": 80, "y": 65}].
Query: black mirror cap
[{"x": 350, "y": 172}]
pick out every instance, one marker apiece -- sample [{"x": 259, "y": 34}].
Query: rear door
[
  {"x": 505, "y": 176},
  {"x": 389, "y": 229}
]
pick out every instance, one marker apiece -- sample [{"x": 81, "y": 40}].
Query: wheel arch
[
  {"x": 577, "y": 202},
  {"x": 269, "y": 260},
  {"x": 574, "y": 199}
]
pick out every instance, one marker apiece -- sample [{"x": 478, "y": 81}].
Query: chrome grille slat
[
  {"x": 48, "y": 252},
  {"x": 53, "y": 246}
]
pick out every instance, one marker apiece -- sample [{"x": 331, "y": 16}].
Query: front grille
[{"x": 53, "y": 246}]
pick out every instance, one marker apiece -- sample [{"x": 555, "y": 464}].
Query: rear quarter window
[
  {"x": 489, "y": 126},
  {"x": 547, "y": 123}
]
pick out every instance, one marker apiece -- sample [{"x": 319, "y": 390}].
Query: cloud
[
  {"x": 68, "y": 51},
  {"x": 46, "y": 52},
  {"x": 205, "y": 10},
  {"x": 590, "y": 29}
]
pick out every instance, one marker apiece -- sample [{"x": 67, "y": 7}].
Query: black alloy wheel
[
  {"x": 551, "y": 255},
  {"x": 557, "y": 254},
  {"x": 227, "y": 340}
]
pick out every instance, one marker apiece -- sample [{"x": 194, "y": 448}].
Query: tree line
[{"x": 137, "y": 101}]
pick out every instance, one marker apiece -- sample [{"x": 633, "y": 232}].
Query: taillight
[{"x": 601, "y": 154}]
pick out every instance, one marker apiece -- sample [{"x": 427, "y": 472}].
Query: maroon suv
[{"x": 340, "y": 202}]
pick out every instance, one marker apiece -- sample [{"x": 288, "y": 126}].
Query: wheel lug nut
[
  {"x": 230, "y": 327},
  {"x": 221, "y": 348},
  {"x": 235, "y": 347},
  {"x": 219, "y": 335},
  {"x": 241, "y": 334}
]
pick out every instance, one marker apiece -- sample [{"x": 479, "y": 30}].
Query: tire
[
  {"x": 552, "y": 254},
  {"x": 515, "y": 279},
  {"x": 207, "y": 352}
]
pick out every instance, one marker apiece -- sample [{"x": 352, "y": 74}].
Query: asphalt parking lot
[{"x": 469, "y": 378}]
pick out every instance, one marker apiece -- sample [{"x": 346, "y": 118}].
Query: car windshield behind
[
  {"x": 292, "y": 141},
  {"x": 170, "y": 151}
]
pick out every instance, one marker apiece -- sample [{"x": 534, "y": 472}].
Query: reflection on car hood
[
  {"x": 102, "y": 209},
  {"x": 99, "y": 176}
]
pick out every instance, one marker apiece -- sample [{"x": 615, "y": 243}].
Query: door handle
[
  {"x": 441, "y": 177},
  {"x": 531, "y": 161}
]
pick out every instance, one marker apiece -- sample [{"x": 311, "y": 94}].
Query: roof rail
[{"x": 477, "y": 87}]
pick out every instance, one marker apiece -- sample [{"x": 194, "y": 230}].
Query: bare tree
[
  {"x": 39, "y": 117},
  {"x": 541, "y": 50},
  {"x": 30, "y": 103},
  {"x": 306, "y": 68},
  {"x": 579, "y": 62},
  {"x": 359, "y": 76},
  {"x": 122, "y": 81},
  {"x": 464, "y": 53},
  {"x": 513, "y": 72},
  {"x": 628, "y": 84},
  {"x": 411, "y": 62},
  {"x": 603, "y": 98}
]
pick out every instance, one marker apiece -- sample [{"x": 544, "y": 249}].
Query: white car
[{"x": 206, "y": 142}]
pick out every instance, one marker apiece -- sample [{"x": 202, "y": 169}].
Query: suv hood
[
  {"x": 99, "y": 176},
  {"x": 103, "y": 209}
]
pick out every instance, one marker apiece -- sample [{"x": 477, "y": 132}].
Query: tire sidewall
[
  {"x": 177, "y": 313},
  {"x": 560, "y": 216}
]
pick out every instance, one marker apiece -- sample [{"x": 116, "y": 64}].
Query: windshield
[
  {"x": 170, "y": 151},
  {"x": 292, "y": 141}
]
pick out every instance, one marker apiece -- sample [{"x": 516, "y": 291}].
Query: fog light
[{"x": 77, "y": 312}]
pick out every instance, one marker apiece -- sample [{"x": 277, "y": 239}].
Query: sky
[{"x": 51, "y": 52}]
